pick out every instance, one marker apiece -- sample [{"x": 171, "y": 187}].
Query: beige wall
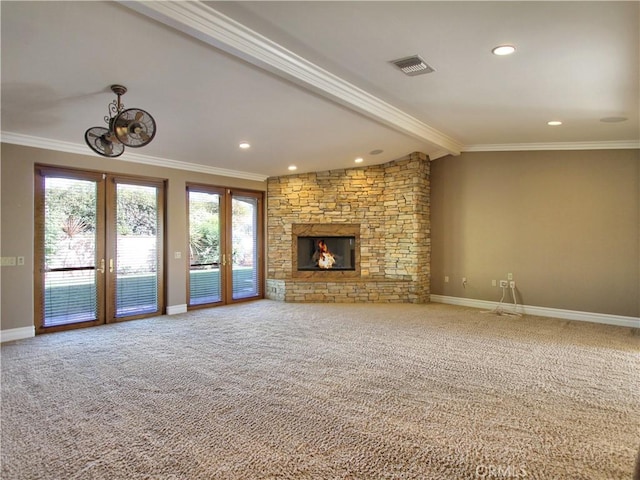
[
  {"x": 16, "y": 209},
  {"x": 565, "y": 223}
]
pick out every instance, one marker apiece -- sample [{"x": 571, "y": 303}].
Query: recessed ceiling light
[
  {"x": 614, "y": 119},
  {"x": 244, "y": 145},
  {"x": 554, "y": 123},
  {"x": 359, "y": 160},
  {"x": 503, "y": 50},
  {"x": 292, "y": 167}
]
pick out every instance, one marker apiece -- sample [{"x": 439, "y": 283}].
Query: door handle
[
  {"x": 101, "y": 269},
  {"x": 111, "y": 265}
]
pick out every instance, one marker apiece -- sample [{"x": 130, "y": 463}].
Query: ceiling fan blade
[
  {"x": 144, "y": 136},
  {"x": 138, "y": 116},
  {"x": 108, "y": 147}
]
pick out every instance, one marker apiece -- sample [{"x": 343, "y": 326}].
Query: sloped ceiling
[{"x": 311, "y": 84}]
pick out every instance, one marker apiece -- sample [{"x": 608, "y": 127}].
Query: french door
[
  {"x": 225, "y": 245},
  {"x": 99, "y": 248}
]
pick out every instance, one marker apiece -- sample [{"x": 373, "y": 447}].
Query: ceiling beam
[{"x": 201, "y": 21}]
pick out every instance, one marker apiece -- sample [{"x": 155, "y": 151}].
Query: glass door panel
[
  {"x": 72, "y": 264},
  {"x": 136, "y": 265},
  {"x": 245, "y": 253},
  {"x": 205, "y": 279}
]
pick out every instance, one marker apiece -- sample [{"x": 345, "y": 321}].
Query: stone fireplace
[{"x": 375, "y": 218}]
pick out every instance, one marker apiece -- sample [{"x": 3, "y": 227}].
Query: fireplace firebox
[
  {"x": 323, "y": 251},
  {"x": 326, "y": 253}
]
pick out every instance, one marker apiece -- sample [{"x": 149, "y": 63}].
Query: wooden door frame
[
  {"x": 103, "y": 304},
  {"x": 42, "y": 172},
  {"x": 209, "y": 189},
  {"x": 226, "y": 195},
  {"x": 111, "y": 240},
  {"x": 259, "y": 196}
]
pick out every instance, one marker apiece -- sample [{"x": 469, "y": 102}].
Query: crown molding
[
  {"x": 81, "y": 149},
  {"x": 514, "y": 147},
  {"x": 438, "y": 154},
  {"x": 199, "y": 20}
]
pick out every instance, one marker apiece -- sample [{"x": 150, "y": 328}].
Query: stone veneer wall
[{"x": 391, "y": 202}]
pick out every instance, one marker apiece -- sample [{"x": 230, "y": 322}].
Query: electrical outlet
[
  {"x": 494, "y": 283},
  {"x": 509, "y": 276},
  {"x": 512, "y": 284},
  {"x": 446, "y": 279},
  {"x": 504, "y": 283},
  {"x": 20, "y": 261}
]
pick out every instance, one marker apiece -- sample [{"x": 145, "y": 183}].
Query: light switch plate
[{"x": 8, "y": 262}]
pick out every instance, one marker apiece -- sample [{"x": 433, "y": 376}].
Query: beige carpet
[{"x": 268, "y": 390}]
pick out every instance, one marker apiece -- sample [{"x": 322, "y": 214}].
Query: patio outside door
[
  {"x": 99, "y": 247},
  {"x": 225, "y": 245}
]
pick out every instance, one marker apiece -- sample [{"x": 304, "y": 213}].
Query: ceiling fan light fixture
[
  {"x": 132, "y": 127},
  {"x": 413, "y": 65}
]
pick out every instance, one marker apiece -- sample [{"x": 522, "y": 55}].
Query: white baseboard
[
  {"x": 11, "y": 334},
  {"x": 175, "y": 309},
  {"x": 618, "y": 320}
]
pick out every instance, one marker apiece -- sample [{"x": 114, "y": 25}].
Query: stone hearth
[{"x": 390, "y": 206}]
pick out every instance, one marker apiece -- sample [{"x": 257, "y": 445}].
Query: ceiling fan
[{"x": 132, "y": 127}]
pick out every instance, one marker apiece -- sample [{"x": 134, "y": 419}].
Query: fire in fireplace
[{"x": 326, "y": 253}]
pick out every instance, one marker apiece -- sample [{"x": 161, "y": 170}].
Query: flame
[
  {"x": 323, "y": 256},
  {"x": 326, "y": 260}
]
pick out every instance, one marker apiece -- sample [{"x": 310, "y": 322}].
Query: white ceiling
[{"x": 310, "y": 83}]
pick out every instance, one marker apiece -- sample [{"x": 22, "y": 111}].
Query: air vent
[{"x": 413, "y": 65}]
